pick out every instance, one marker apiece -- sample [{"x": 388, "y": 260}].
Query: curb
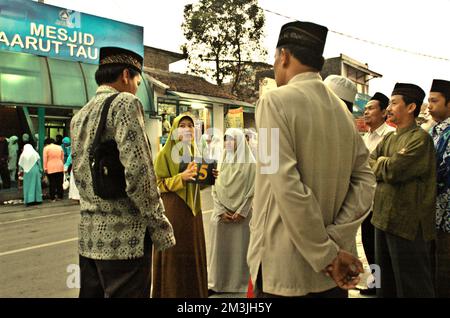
[{"x": 45, "y": 205}]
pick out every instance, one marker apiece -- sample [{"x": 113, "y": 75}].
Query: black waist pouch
[{"x": 108, "y": 173}]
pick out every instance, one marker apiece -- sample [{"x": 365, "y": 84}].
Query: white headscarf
[
  {"x": 213, "y": 150},
  {"x": 236, "y": 181},
  {"x": 28, "y": 158},
  {"x": 13, "y": 147}
]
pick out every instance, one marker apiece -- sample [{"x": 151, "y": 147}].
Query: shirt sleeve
[
  {"x": 68, "y": 162},
  {"x": 299, "y": 209},
  {"x": 219, "y": 209},
  {"x": 358, "y": 200},
  {"x": 171, "y": 184},
  {"x": 45, "y": 155},
  {"x": 136, "y": 157},
  {"x": 245, "y": 207},
  {"x": 410, "y": 162}
]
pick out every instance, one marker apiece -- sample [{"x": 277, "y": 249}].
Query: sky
[{"x": 412, "y": 25}]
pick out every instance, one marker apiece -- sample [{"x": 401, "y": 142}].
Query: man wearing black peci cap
[
  {"x": 312, "y": 197},
  {"x": 439, "y": 107},
  {"x": 405, "y": 198},
  {"x": 116, "y": 235},
  {"x": 375, "y": 115}
]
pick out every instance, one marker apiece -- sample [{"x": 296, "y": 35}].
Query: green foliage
[{"x": 222, "y": 36}]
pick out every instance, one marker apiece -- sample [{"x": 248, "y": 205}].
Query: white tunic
[
  {"x": 373, "y": 138},
  {"x": 227, "y": 265}
]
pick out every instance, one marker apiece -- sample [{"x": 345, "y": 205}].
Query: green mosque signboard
[{"x": 40, "y": 29}]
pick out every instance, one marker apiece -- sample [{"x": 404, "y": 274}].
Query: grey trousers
[{"x": 405, "y": 266}]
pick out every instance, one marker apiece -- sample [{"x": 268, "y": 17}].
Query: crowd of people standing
[
  {"x": 23, "y": 166},
  {"x": 289, "y": 231}
]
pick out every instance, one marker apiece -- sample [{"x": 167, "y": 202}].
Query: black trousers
[
  {"x": 55, "y": 181},
  {"x": 5, "y": 175},
  {"x": 441, "y": 264},
  {"x": 405, "y": 266},
  {"x": 117, "y": 278},
  {"x": 368, "y": 239},
  {"x": 331, "y": 293}
]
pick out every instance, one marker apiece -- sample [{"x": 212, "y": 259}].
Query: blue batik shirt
[{"x": 441, "y": 138}]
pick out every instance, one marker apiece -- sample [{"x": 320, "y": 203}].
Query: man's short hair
[
  {"x": 409, "y": 100},
  {"x": 305, "y": 56},
  {"x": 110, "y": 73}
]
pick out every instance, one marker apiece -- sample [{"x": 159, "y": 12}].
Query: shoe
[{"x": 368, "y": 292}]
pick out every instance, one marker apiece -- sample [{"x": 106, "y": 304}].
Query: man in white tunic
[{"x": 375, "y": 117}]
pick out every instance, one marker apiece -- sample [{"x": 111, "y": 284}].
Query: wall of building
[
  {"x": 218, "y": 117},
  {"x": 156, "y": 59},
  {"x": 331, "y": 67},
  {"x": 266, "y": 84},
  {"x": 154, "y": 131}
]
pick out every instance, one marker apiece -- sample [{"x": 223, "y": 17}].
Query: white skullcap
[{"x": 343, "y": 87}]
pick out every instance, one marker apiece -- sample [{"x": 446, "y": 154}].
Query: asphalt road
[
  {"x": 38, "y": 248},
  {"x": 39, "y": 253}
]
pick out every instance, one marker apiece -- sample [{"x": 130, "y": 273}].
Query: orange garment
[
  {"x": 250, "y": 291},
  {"x": 53, "y": 159}
]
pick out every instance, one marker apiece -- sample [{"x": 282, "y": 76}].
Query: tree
[{"x": 222, "y": 36}]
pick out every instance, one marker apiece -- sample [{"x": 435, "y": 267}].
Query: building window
[{"x": 358, "y": 77}]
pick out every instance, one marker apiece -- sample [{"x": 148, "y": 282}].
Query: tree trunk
[
  {"x": 238, "y": 68},
  {"x": 218, "y": 79}
]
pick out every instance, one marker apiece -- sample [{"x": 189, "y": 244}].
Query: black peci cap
[
  {"x": 410, "y": 90},
  {"x": 120, "y": 56},
  {"x": 304, "y": 34},
  {"x": 440, "y": 86},
  {"x": 383, "y": 99}
]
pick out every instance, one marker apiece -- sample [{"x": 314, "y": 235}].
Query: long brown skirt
[{"x": 180, "y": 271}]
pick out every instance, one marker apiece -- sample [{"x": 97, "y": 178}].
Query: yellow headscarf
[{"x": 165, "y": 167}]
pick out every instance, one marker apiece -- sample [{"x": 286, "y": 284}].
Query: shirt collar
[
  {"x": 380, "y": 130},
  {"x": 304, "y": 77},
  {"x": 401, "y": 131},
  {"x": 106, "y": 89}
]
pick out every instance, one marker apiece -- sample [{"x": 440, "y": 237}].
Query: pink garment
[{"x": 53, "y": 159}]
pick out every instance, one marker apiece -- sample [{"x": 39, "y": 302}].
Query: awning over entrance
[{"x": 30, "y": 80}]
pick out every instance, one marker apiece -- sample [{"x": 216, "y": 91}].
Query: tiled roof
[{"x": 186, "y": 83}]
